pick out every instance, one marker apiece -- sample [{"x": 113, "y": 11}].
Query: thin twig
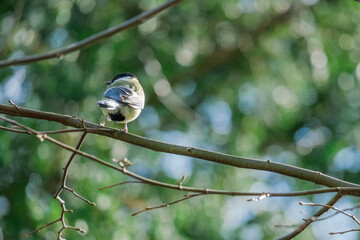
[
  {"x": 168, "y": 204},
  {"x": 334, "y": 214},
  {"x": 62, "y": 218},
  {"x": 121, "y": 183},
  {"x": 141, "y": 18},
  {"x": 12, "y": 103},
  {"x": 310, "y": 220},
  {"x": 79, "y": 196},
  {"x": 13, "y": 130},
  {"x": 337, "y": 211},
  {"x": 42, "y": 137},
  {"x": 66, "y": 171},
  {"x": 344, "y": 190},
  {"x": 181, "y": 181},
  {"x": 40, "y": 228},
  {"x": 347, "y": 231},
  {"x": 287, "y": 226},
  {"x": 317, "y": 219},
  {"x": 333, "y": 208},
  {"x": 144, "y": 180},
  {"x": 260, "y": 197}
]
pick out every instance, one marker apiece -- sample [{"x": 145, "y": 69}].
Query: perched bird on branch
[{"x": 123, "y": 100}]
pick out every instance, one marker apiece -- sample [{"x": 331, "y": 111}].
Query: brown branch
[
  {"x": 143, "y": 17},
  {"x": 13, "y": 130},
  {"x": 121, "y": 183},
  {"x": 66, "y": 171},
  {"x": 287, "y": 225},
  {"x": 40, "y": 228},
  {"x": 308, "y": 221},
  {"x": 181, "y": 182},
  {"x": 333, "y": 208},
  {"x": 168, "y": 204},
  {"x": 64, "y": 131},
  {"x": 240, "y": 162},
  {"x": 43, "y": 137},
  {"x": 342, "y": 190},
  {"x": 347, "y": 231},
  {"x": 318, "y": 219},
  {"x": 63, "y": 186},
  {"x": 61, "y": 219},
  {"x": 334, "y": 214},
  {"x": 260, "y": 195}
]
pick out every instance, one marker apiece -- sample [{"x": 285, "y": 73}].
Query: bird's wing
[{"x": 124, "y": 94}]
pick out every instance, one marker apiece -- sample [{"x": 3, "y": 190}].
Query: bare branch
[
  {"x": 13, "y": 130},
  {"x": 40, "y": 228},
  {"x": 12, "y": 103},
  {"x": 347, "y": 231},
  {"x": 240, "y": 162},
  {"x": 333, "y": 208},
  {"x": 42, "y": 137},
  {"x": 79, "y": 196},
  {"x": 260, "y": 197},
  {"x": 287, "y": 225},
  {"x": 318, "y": 219},
  {"x": 141, "y": 18},
  {"x": 181, "y": 181},
  {"x": 66, "y": 171},
  {"x": 168, "y": 204},
  {"x": 121, "y": 183},
  {"x": 64, "y": 131},
  {"x": 334, "y": 214},
  {"x": 340, "y": 191},
  {"x": 308, "y": 221},
  {"x": 62, "y": 218}
]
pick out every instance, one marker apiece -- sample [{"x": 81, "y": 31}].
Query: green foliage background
[{"x": 242, "y": 77}]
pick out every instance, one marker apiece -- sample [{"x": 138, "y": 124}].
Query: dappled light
[{"x": 251, "y": 107}]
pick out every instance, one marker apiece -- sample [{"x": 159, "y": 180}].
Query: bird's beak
[{"x": 107, "y": 83}]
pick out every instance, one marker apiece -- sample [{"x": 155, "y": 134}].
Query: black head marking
[
  {"x": 116, "y": 117},
  {"x": 123, "y": 75}
]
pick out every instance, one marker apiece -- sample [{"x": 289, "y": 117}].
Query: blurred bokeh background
[{"x": 272, "y": 80}]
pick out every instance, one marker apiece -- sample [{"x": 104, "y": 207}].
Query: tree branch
[
  {"x": 308, "y": 221},
  {"x": 354, "y": 191},
  {"x": 143, "y": 17},
  {"x": 168, "y": 204},
  {"x": 334, "y": 214},
  {"x": 347, "y": 231},
  {"x": 240, "y": 162},
  {"x": 66, "y": 171},
  {"x": 122, "y": 169},
  {"x": 333, "y": 208},
  {"x": 260, "y": 195}
]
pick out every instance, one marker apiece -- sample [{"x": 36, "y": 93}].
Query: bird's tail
[{"x": 108, "y": 104}]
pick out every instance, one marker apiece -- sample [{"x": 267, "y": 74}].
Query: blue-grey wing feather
[{"x": 124, "y": 94}]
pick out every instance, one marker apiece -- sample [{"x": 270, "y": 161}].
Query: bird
[{"x": 123, "y": 100}]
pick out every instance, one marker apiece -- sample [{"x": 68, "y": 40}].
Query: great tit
[{"x": 123, "y": 100}]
